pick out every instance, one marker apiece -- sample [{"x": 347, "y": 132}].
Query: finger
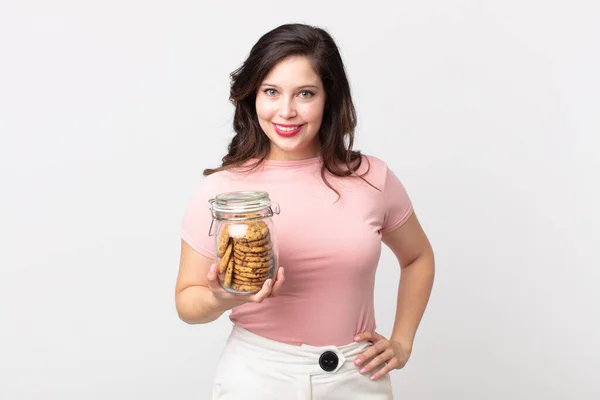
[
  {"x": 392, "y": 364},
  {"x": 264, "y": 291},
  {"x": 372, "y": 351},
  {"x": 378, "y": 361},
  {"x": 278, "y": 282},
  {"x": 370, "y": 336},
  {"x": 213, "y": 279}
]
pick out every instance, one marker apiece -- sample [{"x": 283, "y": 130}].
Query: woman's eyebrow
[{"x": 299, "y": 87}]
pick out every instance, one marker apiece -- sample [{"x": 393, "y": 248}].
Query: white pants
[{"x": 255, "y": 368}]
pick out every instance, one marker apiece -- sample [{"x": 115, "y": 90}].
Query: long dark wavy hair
[{"x": 336, "y": 134}]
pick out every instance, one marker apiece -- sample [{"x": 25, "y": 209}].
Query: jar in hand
[{"x": 246, "y": 251}]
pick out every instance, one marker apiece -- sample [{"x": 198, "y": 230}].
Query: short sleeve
[
  {"x": 396, "y": 203},
  {"x": 197, "y": 221}
]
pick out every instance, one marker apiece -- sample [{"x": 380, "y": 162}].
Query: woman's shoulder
[
  {"x": 212, "y": 183},
  {"x": 372, "y": 170},
  {"x": 223, "y": 178},
  {"x": 378, "y": 162},
  {"x": 372, "y": 166}
]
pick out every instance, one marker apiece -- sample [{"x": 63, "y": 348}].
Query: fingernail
[
  {"x": 357, "y": 361},
  {"x": 357, "y": 338},
  {"x": 362, "y": 371},
  {"x": 372, "y": 378},
  {"x": 269, "y": 282},
  {"x": 212, "y": 268}
]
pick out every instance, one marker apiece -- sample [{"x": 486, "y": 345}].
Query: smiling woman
[
  {"x": 290, "y": 108},
  {"x": 293, "y": 72},
  {"x": 308, "y": 333}
]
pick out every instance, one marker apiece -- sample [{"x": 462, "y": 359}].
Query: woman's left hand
[{"x": 393, "y": 353}]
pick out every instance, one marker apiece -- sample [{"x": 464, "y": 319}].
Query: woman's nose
[{"x": 287, "y": 109}]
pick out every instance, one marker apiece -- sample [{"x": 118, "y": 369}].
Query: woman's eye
[
  {"x": 270, "y": 92},
  {"x": 306, "y": 94}
]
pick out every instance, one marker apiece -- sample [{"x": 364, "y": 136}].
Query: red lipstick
[{"x": 288, "y": 133}]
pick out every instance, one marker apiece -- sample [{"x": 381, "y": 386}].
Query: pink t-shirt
[{"x": 329, "y": 250}]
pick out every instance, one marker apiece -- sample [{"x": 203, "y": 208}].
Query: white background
[{"x": 488, "y": 111}]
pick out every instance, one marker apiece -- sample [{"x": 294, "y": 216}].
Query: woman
[{"x": 309, "y": 332}]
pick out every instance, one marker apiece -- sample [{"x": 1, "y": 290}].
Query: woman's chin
[{"x": 293, "y": 152}]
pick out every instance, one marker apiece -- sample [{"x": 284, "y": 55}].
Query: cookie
[
  {"x": 255, "y": 257},
  {"x": 256, "y": 231},
  {"x": 249, "y": 265},
  {"x": 251, "y": 275},
  {"x": 228, "y": 274},
  {"x": 255, "y": 249},
  {"x": 256, "y": 286},
  {"x": 223, "y": 241},
  {"x": 253, "y": 243},
  {"x": 251, "y": 272},
  {"x": 245, "y": 268},
  {"x": 248, "y": 281},
  {"x": 255, "y": 282},
  {"x": 238, "y": 277},
  {"x": 226, "y": 257},
  {"x": 246, "y": 288},
  {"x": 245, "y": 276},
  {"x": 254, "y": 275}
]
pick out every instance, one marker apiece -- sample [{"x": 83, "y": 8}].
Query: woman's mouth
[{"x": 287, "y": 130}]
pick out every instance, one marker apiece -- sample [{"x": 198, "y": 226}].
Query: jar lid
[{"x": 241, "y": 202}]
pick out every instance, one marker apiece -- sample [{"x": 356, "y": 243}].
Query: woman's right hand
[{"x": 229, "y": 300}]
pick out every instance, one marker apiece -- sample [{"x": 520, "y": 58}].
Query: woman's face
[{"x": 289, "y": 106}]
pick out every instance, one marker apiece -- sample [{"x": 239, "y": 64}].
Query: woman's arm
[
  {"x": 194, "y": 300},
  {"x": 415, "y": 256},
  {"x": 200, "y": 299},
  {"x": 413, "y": 251}
]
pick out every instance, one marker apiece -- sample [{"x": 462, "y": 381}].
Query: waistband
[{"x": 305, "y": 357}]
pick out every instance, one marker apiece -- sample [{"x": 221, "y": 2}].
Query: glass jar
[{"x": 246, "y": 251}]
